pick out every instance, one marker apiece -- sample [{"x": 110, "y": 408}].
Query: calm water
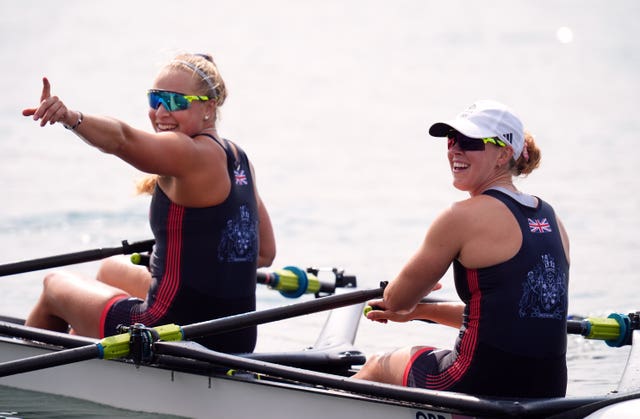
[{"x": 332, "y": 100}]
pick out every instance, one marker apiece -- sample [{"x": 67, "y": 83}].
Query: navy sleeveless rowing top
[
  {"x": 513, "y": 338},
  {"x": 205, "y": 259}
]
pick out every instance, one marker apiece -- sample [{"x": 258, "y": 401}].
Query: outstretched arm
[{"x": 166, "y": 153}]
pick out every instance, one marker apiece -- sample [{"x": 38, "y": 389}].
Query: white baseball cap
[{"x": 484, "y": 119}]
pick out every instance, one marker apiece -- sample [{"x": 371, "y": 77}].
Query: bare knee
[
  {"x": 108, "y": 268},
  {"x": 48, "y": 278},
  {"x": 56, "y": 287},
  {"x": 385, "y": 367},
  {"x": 43, "y": 314},
  {"x": 120, "y": 273},
  {"x": 371, "y": 368},
  {"x": 50, "y": 283},
  {"x": 68, "y": 299}
]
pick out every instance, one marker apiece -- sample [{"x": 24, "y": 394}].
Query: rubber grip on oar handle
[
  {"x": 140, "y": 259},
  {"x": 369, "y": 308}
]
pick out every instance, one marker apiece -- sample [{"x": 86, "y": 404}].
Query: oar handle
[
  {"x": 369, "y": 308},
  {"x": 73, "y": 258},
  {"x": 615, "y": 330},
  {"x": 292, "y": 282}
]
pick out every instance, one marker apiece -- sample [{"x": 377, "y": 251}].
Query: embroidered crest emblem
[
  {"x": 239, "y": 241},
  {"x": 544, "y": 293}
]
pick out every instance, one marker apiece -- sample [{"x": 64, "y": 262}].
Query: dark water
[{"x": 23, "y": 404}]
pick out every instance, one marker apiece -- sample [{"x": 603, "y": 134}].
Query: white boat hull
[
  {"x": 195, "y": 385},
  {"x": 156, "y": 390}
]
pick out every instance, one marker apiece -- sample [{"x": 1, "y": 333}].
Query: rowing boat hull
[
  {"x": 276, "y": 395},
  {"x": 158, "y": 390},
  {"x": 185, "y": 390},
  {"x": 196, "y": 385}
]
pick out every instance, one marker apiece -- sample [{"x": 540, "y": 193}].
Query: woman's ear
[
  {"x": 505, "y": 155},
  {"x": 211, "y": 109}
]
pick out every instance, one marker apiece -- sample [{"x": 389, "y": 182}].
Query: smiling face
[
  {"x": 198, "y": 117},
  {"x": 476, "y": 170}
]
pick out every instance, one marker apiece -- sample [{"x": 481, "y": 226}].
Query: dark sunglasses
[
  {"x": 172, "y": 101},
  {"x": 471, "y": 144}
]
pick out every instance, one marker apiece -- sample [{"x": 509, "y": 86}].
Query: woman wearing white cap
[{"x": 510, "y": 256}]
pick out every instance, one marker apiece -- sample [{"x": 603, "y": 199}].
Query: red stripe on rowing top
[
  {"x": 171, "y": 278},
  {"x": 468, "y": 344}
]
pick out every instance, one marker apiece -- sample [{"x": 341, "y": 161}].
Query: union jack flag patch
[
  {"x": 241, "y": 178},
  {"x": 539, "y": 226}
]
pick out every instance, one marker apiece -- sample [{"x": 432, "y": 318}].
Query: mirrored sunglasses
[
  {"x": 172, "y": 101},
  {"x": 471, "y": 144}
]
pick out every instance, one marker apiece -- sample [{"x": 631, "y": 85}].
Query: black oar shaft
[
  {"x": 18, "y": 330},
  {"x": 241, "y": 321},
  {"x": 73, "y": 258},
  {"x": 577, "y": 327},
  {"x": 211, "y": 327},
  {"x": 49, "y": 360}
]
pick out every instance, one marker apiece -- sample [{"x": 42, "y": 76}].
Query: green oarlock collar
[
  {"x": 118, "y": 346},
  {"x": 170, "y": 332}
]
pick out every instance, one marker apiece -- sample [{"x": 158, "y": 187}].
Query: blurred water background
[{"x": 332, "y": 100}]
